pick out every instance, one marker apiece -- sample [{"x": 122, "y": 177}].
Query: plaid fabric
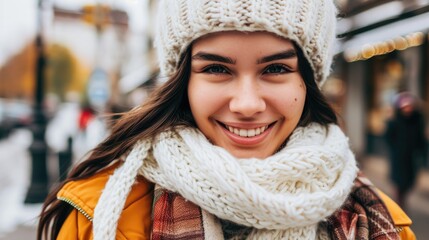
[
  {"x": 175, "y": 218},
  {"x": 363, "y": 216}
]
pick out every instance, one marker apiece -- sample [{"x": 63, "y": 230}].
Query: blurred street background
[{"x": 67, "y": 65}]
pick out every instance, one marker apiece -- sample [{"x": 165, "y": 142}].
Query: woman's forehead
[{"x": 231, "y": 40}]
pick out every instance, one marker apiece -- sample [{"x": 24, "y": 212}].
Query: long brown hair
[{"x": 167, "y": 106}]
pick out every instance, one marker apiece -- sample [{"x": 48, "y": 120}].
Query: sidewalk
[
  {"x": 26, "y": 223},
  {"x": 16, "y": 218},
  {"x": 22, "y": 232}
]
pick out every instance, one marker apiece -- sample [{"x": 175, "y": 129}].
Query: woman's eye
[
  {"x": 277, "y": 69},
  {"x": 215, "y": 69}
]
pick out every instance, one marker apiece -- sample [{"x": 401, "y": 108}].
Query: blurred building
[
  {"x": 81, "y": 40},
  {"x": 383, "y": 50},
  {"x": 17, "y": 74}
]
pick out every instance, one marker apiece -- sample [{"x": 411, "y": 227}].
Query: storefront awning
[{"x": 387, "y": 32}]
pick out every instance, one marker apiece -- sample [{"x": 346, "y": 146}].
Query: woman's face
[{"x": 245, "y": 91}]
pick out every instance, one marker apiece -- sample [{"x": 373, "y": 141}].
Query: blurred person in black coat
[{"x": 405, "y": 136}]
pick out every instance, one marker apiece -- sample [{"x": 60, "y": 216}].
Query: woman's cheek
[
  {"x": 203, "y": 96},
  {"x": 292, "y": 105},
  {"x": 207, "y": 94}
]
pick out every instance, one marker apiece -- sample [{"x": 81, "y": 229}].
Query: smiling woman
[
  {"x": 239, "y": 143},
  {"x": 245, "y": 96}
]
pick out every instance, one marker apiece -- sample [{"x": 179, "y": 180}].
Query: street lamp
[{"x": 38, "y": 189}]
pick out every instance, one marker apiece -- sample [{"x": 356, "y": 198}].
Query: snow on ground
[{"x": 14, "y": 181}]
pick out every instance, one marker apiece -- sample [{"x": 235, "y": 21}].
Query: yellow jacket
[{"x": 135, "y": 220}]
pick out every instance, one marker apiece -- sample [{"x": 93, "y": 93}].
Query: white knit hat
[{"x": 309, "y": 23}]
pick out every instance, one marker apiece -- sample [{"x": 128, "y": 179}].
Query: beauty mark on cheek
[{"x": 296, "y": 99}]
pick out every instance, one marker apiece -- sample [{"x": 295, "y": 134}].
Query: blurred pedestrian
[
  {"x": 86, "y": 114},
  {"x": 63, "y": 125},
  {"x": 406, "y": 139},
  {"x": 238, "y": 143},
  {"x": 92, "y": 129}
]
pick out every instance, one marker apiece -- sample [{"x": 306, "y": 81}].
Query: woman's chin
[{"x": 249, "y": 153}]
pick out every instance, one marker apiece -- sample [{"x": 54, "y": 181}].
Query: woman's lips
[
  {"x": 250, "y": 132},
  {"x": 248, "y": 135}
]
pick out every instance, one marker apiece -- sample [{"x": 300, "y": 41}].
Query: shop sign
[{"x": 98, "y": 88}]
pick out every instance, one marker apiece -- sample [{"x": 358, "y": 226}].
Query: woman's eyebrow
[
  {"x": 288, "y": 54},
  {"x": 212, "y": 57}
]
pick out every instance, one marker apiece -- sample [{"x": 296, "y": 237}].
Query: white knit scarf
[{"x": 284, "y": 196}]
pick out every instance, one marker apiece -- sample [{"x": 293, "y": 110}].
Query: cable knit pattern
[
  {"x": 283, "y": 196},
  {"x": 310, "y": 23},
  {"x": 119, "y": 186}
]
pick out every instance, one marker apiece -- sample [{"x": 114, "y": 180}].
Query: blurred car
[{"x": 14, "y": 113}]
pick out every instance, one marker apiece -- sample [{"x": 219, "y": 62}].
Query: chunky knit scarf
[{"x": 283, "y": 196}]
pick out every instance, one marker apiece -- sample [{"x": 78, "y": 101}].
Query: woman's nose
[{"x": 247, "y": 99}]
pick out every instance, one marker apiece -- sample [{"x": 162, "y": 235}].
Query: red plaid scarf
[
  {"x": 175, "y": 218},
  {"x": 363, "y": 216}
]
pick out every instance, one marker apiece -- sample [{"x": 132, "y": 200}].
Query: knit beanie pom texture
[{"x": 310, "y": 24}]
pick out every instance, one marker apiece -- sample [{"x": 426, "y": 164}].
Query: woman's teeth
[{"x": 247, "y": 132}]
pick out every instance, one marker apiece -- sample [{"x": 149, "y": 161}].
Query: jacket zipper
[
  {"x": 399, "y": 229},
  {"x": 76, "y": 207}
]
